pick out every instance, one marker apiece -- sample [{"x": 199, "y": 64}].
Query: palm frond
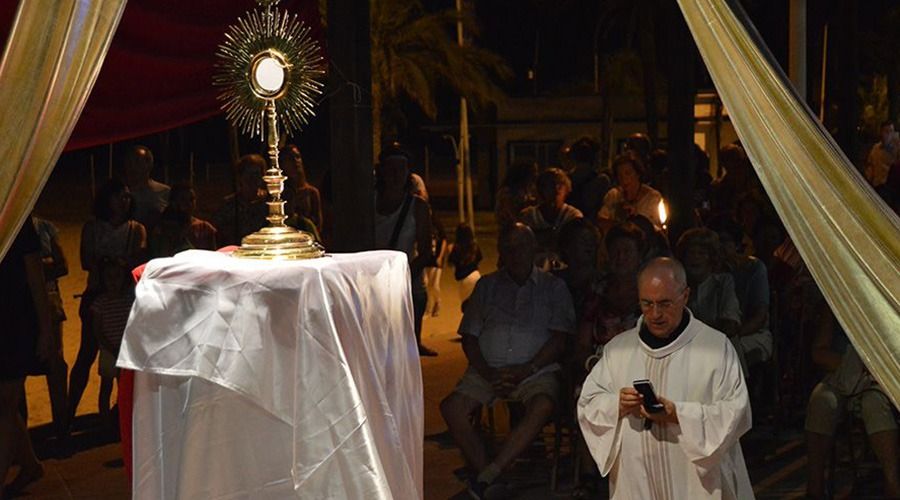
[{"x": 415, "y": 52}]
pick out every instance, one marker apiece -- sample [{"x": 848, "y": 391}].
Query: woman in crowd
[
  {"x": 111, "y": 234},
  {"x": 516, "y": 193},
  {"x": 178, "y": 229},
  {"x": 612, "y": 306},
  {"x": 631, "y": 196},
  {"x": 751, "y": 285},
  {"x": 547, "y": 218},
  {"x": 403, "y": 222}
]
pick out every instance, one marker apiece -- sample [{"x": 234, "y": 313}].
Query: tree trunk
[
  {"x": 536, "y": 61},
  {"x": 682, "y": 89},
  {"x": 377, "y": 105},
  {"x": 606, "y": 111},
  {"x": 352, "y": 183},
  {"x": 647, "y": 49}
]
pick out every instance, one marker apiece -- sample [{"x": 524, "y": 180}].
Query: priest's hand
[
  {"x": 669, "y": 416},
  {"x": 629, "y": 402}
]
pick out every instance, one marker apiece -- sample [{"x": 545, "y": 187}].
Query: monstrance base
[{"x": 279, "y": 243}]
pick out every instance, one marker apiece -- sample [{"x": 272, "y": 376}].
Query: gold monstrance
[{"x": 269, "y": 67}]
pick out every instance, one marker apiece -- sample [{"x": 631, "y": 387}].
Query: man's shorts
[
  {"x": 474, "y": 386},
  {"x": 827, "y": 408}
]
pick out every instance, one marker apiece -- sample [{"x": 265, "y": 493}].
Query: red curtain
[{"x": 158, "y": 72}]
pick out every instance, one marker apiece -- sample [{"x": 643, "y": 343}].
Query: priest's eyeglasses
[{"x": 661, "y": 305}]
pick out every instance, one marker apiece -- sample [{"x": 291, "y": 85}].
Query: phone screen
[{"x": 651, "y": 403}]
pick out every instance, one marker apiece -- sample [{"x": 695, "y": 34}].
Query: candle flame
[{"x": 663, "y": 215}]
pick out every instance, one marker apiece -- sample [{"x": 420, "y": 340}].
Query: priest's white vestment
[{"x": 700, "y": 457}]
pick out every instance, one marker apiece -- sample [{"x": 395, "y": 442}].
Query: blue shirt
[{"x": 512, "y": 322}]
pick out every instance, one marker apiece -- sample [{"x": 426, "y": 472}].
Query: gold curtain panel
[
  {"x": 848, "y": 237},
  {"x": 52, "y": 59}
]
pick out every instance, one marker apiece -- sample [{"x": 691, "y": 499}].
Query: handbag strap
[
  {"x": 392, "y": 244},
  {"x": 129, "y": 239}
]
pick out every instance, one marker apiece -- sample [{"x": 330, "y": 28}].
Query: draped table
[{"x": 262, "y": 379}]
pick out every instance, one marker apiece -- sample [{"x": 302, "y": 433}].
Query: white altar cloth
[{"x": 260, "y": 379}]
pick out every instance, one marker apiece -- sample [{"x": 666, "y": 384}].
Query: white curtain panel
[
  {"x": 52, "y": 59},
  {"x": 848, "y": 237}
]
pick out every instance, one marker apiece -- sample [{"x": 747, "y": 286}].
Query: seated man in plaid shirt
[{"x": 514, "y": 330}]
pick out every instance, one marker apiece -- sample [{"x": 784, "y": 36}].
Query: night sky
[{"x": 566, "y": 33}]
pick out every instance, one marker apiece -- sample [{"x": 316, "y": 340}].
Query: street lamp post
[
  {"x": 462, "y": 151},
  {"x": 460, "y": 177}
]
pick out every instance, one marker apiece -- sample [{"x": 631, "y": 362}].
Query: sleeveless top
[
  {"x": 384, "y": 229},
  {"x": 113, "y": 242}
]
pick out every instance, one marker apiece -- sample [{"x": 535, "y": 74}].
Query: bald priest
[{"x": 663, "y": 410}]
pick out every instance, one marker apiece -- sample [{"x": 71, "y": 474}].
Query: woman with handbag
[{"x": 111, "y": 234}]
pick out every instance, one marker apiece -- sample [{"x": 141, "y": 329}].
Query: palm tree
[
  {"x": 640, "y": 19},
  {"x": 414, "y": 53}
]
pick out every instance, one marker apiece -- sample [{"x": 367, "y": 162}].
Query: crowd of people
[{"x": 593, "y": 293}]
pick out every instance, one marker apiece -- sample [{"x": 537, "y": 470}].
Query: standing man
[
  {"x": 690, "y": 448},
  {"x": 150, "y": 197}
]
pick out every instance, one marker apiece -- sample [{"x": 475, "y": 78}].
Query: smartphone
[{"x": 651, "y": 403}]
